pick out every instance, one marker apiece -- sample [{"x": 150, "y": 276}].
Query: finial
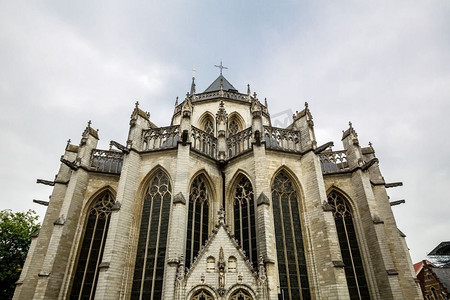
[
  {"x": 89, "y": 123},
  {"x": 137, "y": 104},
  {"x": 176, "y": 101},
  {"x": 221, "y": 67},
  {"x": 306, "y": 105},
  {"x": 187, "y": 94},
  {"x": 350, "y": 124},
  {"x": 248, "y": 89},
  {"x": 254, "y": 94},
  {"x": 68, "y": 142},
  {"x": 370, "y": 144}
]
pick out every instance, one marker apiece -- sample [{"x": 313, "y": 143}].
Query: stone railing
[
  {"x": 239, "y": 142},
  {"x": 333, "y": 162},
  {"x": 225, "y": 94},
  {"x": 282, "y": 139},
  {"x": 161, "y": 138},
  {"x": 106, "y": 161},
  {"x": 203, "y": 142}
]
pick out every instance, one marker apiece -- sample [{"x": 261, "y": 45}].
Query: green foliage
[{"x": 15, "y": 238}]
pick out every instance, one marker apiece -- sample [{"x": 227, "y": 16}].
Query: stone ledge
[
  {"x": 392, "y": 272},
  {"x": 104, "y": 265},
  {"x": 338, "y": 264}
]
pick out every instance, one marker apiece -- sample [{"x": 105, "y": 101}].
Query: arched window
[
  {"x": 210, "y": 264},
  {"x": 86, "y": 274},
  {"x": 435, "y": 296},
  {"x": 348, "y": 242},
  {"x": 244, "y": 219},
  {"x": 198, "y": 218},
  {"x": 289, "y": 240},
  {"x": 151, "y": 252},
  {"x": 233, "y": 127},
  {"x": 232, "y": 265},
  {"x": 241, "y": 295},
  {"x": 202, "y": 295},
  {"x": 208, "y": 126}
]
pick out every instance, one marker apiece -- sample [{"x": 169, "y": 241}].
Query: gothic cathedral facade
[{"x": 219, "y": 205}]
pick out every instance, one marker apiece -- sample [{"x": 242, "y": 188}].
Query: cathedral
[{"x": 219, "y": 205}]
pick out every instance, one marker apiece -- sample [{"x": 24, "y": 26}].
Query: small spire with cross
[{"x": 221, "y": 67}]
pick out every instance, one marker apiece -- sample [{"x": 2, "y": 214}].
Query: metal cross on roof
[{"x": 220, "y": 67}]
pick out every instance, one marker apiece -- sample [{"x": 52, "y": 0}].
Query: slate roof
[
  {"x": 444, "y": 276},
  {"x": 215, "y": 86},
  {"x": 442, "y": 249}
]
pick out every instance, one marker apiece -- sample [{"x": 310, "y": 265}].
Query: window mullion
[
  {"x": 99, "y": 255},
  {"x": 147, "y": 240},
  {"x": 88, "y": 256}
]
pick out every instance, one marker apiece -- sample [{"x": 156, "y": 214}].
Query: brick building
[{"x": 219, "y": 205}]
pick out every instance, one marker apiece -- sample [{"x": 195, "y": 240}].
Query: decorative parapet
[
  {"x": 239, "y": 142},
  {"x": 161, "y": 138},
  {"x": 282, "y": 139},
  {"x": 107, "y": 161},
  {"x": 333, "y": 161},
  {"x": 203, "y": 142}
]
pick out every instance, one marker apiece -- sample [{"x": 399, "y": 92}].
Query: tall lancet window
[
  {"x": 198, "y": 218},
  {"x": 151, "y": 251},
  {"x": 289, "y": 240},
  {"x": 244, "y": 219},
  {"x": 86, "y": 274},
  {"x": 351, "y": 255}
]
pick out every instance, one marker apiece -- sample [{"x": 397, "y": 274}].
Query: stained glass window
[
  {"x": 292, "y": 269},
  {"x": 202, "y": 295},
  {"x": 244, "y": 219},
  {"x": 348, "y": 242},
  {"x": 241, "y": 295},
  {"x": 86, "y": 274},
  {"x": 233, "y": 127},
  {"x": 151, "y": 252},
  {"x": 198, "y": 218},
  {"x": 209, "y": 126}
]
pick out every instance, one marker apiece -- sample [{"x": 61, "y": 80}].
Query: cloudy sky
[{"x": 384, "y": 65}]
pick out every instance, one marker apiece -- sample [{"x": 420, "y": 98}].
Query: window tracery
[
  {"x": 208, "y": 126},
  {"x": 289, "y": 240},
  {"x": 198, "y": 218},
  {"x": 151, "y": 252},
  {"x": 241, "y": 295},
  {"x": 86, "y": 274},
  {"x": 244, "y": 219},
  {"x": 202, "y": 295},
  {"x": 233, "y": 127},
  {"x": 348, "y": 242}
]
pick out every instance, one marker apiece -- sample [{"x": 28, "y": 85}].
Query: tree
[{"x": 15, "y": 239}]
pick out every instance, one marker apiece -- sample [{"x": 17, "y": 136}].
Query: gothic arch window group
[
  {"x": 244, "y": 218},
  {"x": 348, "y": 242},
  {"x": 86, "y": 274},
  {"x": 292, "y": 269},
  {"x": 151, "y": 250},
  {"x": 198, "y": 218}
]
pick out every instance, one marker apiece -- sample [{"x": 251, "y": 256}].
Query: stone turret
[
  {"x": 139, "y": 121},
  {"x": 303, "y": 122},
  {"x": 352, "y": 147}
]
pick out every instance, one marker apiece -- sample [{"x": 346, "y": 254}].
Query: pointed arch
[
  {"x": 286, "y": 205},
  {"x": 153, "y": 232},
  {"x": 99, "y": 210},
  {"x": 207, "y": 123},
  {"x": 235, "y": 123},
  {"x": 198, "y": 219},
  {"x": 243, "y": 210},
  {"x": 350, "y": 251}
]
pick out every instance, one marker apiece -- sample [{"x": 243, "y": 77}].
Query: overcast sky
[{"x": 384, "y": 65}]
